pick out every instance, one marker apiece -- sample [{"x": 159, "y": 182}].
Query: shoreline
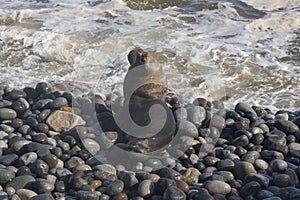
[{"x": 47, "y": 145}]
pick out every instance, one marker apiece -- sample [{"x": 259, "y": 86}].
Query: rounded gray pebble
[
  {"x": 115, "y": 187},
  {"x": 146, "y": 188},
  {"x": 7, "y": 113},
  {"x": 174, "y": 193},
  {"x": 91, "y": 145},
  {"x": 6, "y": 176},
  {"x": 20, "y": 181}
]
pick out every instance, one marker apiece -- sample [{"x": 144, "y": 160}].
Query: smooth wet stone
[
  {"x": 240, "y": 133},
  {"x": 73, "y": 162},
  {"x": 120, "y": 196},
  {"x": 128, "y": 177},
  {"x": 191, "y": 176},
  {"x": 105, "y": 172},
  {"x": 281, "y": 180},
  {"x": 41, "y": 168},
  {"x": 44, "y": 114},
  {"x": 60, "y": 165},
  {"x": 6, "y": 175},
  {"x": 18, "y": 145},
  {"x": 259, "y": 178},
  {"x": 60, "y": 186},
  {"x": 218, "y": 187},
  {"x": 263, "y": 194},
  {"x": 269, "y": 155},
  {"x": 43, "y": 197},
  {"x": 64, "y": 121},
  {"x": 146, "y": 188},
  {"x": 25, "y": 194},
  {"x": 19, "y": 107},
  {"x": 7, "y": 114},
  {"x": 240, "y": 151},
  {"x": 280, "y": 148},
  {"x": 182, "y": 185},
  {"x": 43, "y": 186},
  {"x": 6, "y": 128},
  {"x": 21, "y": 182},
  {"x": 196, "y": 114},
  {"x": 162, "y": 184},
  {"x": 257, "y": 139},
  {"x": 35, "y": 146},
  {"x": 42, "y": 104},
  {"x": 79, "y": 183},
  {"x": 202, "y": 193},
  {"x": 115, "y": 187},
  {"x": 51, "y": 178},
  {"x": 50, "y": 159},
  {"x": 87, "y": 195},
  {"x": 24, "y": 129},
  {"x": 294, "y": 149},
  {"x": 96, "y": 183},
  {"x": 241, "y": 141},
  {"x": 174, "y": 193},
  {"x": 42, "y": 127},
  {"x": 245, "y": 111},
  {"x": 42, "y": 152},
  {"x": 187, "y": 128},
  {"x": 82, "y": 167},
  {"x": 227, "y": 176},
  {"x": 205, "y": 176},
  {"x": 294, "y": 180},
  {"x": 91, "y": 145},
  {"x": 70, "y": 140},
  {"x": 180, "y": 114},
  {"x": 23, "y": 170},
  {"x": 8, "y": 159},
  {"x": 42, "y": 88},
  {"x": 218, "y": 122},
  {"x": 59, "y": 102},
  {"x": 242, "y": 168},
  {"x": 275, "y": 139},
  {"x": 252, "y": 187},
  {"x": 28, "y": 158},
  {"x": 16, "y": 123},
  {"x": 210, "y": 161},
  {"x": 168, "y": 173},
  {"x": 287, "y": 127},
  {"x": 10, "y": 191},
  {"x": 153, "y": 177},
  {"x": 241, "y": 124},
  {"x": 16, "y": 94},
  {"x": 104, "y": 197},
  {"x": 279, "y": 165}
]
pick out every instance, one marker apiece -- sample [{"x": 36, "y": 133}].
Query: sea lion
[{"x": 148, "y": 80}]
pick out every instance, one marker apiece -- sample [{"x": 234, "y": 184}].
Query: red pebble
[{"x": 183, "y": 186}]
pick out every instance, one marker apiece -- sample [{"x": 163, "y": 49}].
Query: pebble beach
[
  {"x": 232, "y": 75},
  {"x": 47, "y": 147}
]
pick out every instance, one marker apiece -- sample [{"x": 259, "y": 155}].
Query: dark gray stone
[
  {"x": 6, "y": 175},
  {"x": 21, "y": 182},
  {"x": 259, "y": 178}
]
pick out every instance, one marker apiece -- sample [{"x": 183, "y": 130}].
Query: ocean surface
[{"x": 248, "y": 50}]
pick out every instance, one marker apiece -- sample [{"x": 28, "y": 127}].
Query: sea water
[{"x": 248, "y": 50}]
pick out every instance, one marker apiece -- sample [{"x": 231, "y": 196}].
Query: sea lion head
[{"x": 137, "y": 57}]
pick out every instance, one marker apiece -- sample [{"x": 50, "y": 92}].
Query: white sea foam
[
  {"x": 205, "y": 52},
  {"x": 273, "y": 4}
]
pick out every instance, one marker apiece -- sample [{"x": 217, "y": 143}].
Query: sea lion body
[{"x": 150, "y": 88}]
